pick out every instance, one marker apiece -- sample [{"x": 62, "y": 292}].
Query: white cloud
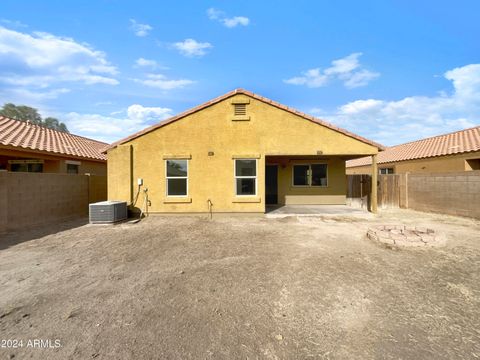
[
  {"x": 140, "y": 30},
  {"x": 151, "y": 64},
  {"x": 466, "y": 81},
  {"x": 361, "y": 106},
  {"x": 347, "y": 69},
  {"x": 360, "y": 78},
  {"x": 141, "y": 62},
  {"x": 40, "y": 60},
  {"x": 415, "y": 117},
  {"x": 142, "y": 113},
  {"x": 236, "y": 20},
  {"x": 312, "y": 78},
  {"x": 191, "y": 47},
  {"x": 160, "y": 81},
  {"x": 215, "y": 14},
  {"x": 345, "y": 65},
  {"x": 31, "y": 98},
  {"x": 110, "y": 128}
]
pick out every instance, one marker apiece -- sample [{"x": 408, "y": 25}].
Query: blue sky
[{"x": 393, "y": 71}]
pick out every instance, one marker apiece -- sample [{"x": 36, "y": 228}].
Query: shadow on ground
[{"x": 13, "y": 238}]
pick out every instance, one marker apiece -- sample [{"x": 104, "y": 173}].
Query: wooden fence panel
[
  {"x": 388, "y": 191},
  {"x": 358, "y": 190},
  {"x": 358, "y": 186}
]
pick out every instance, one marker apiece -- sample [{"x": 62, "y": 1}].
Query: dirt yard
[{"x": 240, "y": 288}]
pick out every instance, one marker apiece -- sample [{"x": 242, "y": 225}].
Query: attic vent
[{"x": 240, "y": 109}]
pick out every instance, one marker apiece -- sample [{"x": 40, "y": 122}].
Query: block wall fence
[
  {"x": 452, "y": 193},
  {"x": 39, "y": 198}
]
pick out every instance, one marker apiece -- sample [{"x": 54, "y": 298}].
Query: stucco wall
[
  {"x": 441, "y": 164},
  {"x": 270, "y": 131},
  {"x": 119, "y": 169}
]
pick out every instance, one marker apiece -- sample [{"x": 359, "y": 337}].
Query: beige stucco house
[
  {"x": 452, "y": 152},
  {"x": 237, "y": 153},
  {"x": 25, "y": 147}
]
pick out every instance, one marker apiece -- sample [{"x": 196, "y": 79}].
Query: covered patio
[{"x": 309, "y": 184}]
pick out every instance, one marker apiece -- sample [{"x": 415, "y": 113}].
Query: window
[
  {"x": 245, "y": 177},
  {"x": 310, "y": 175},
  {"x": 319, "y": 174},
  {"x": 177, "y": 177},
  {"x": 385, "y": 171},
  {"x": 300, "y": 175},
  {"x": 26, "y": 166},
  {"x": 72, "y": 169}
]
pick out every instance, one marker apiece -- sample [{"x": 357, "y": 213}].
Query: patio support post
[{"x": 373, "y": 207}]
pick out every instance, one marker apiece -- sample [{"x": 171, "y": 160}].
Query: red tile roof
[
  {"x": 458, "y": 142},
  {"x": 28, "y": 136},
  {"x": 255, "y": 96}
]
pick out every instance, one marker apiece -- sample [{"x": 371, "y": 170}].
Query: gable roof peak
[{"x": 254, "y": 96}]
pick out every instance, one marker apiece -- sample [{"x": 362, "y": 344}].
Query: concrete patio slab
[{"x": 316, "y": 210}]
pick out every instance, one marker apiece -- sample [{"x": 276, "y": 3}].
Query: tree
[
  {"x": 27, "y": 113},
  {"x": 21, "y": 112},
  {"x": 51, "y": 123}
]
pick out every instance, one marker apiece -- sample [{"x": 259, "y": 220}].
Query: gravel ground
[{"x": 240, "y": 288}]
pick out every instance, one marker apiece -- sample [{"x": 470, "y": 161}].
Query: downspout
[{"x": 131, "y": 176}]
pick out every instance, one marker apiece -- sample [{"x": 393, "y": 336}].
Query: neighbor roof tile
[
  {"x": 458, "y": 142},
  {"x": 28, "y": 136}
]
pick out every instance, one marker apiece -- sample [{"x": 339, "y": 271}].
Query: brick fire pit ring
[{"x": 404, "y": 236}]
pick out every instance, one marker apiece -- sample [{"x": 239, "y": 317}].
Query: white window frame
[
  {"x": 309, "y": 175},
  {"x": 175, "y": 177},
  {"x": 235, "y": 177}
]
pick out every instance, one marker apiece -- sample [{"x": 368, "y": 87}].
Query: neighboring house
[
  {"x": 25, "y": 147},
  {"x": 457, "y": 151},
  {"x": 236, "y": 153}
]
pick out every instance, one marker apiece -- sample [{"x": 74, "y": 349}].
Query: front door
[{"x": 271, "y": 184}]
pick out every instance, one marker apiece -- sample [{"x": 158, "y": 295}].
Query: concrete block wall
[
  {"x": 97, "y": 188},
  {"x": 38, "y": 198},
  {"x": 455, "y": 193}
]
